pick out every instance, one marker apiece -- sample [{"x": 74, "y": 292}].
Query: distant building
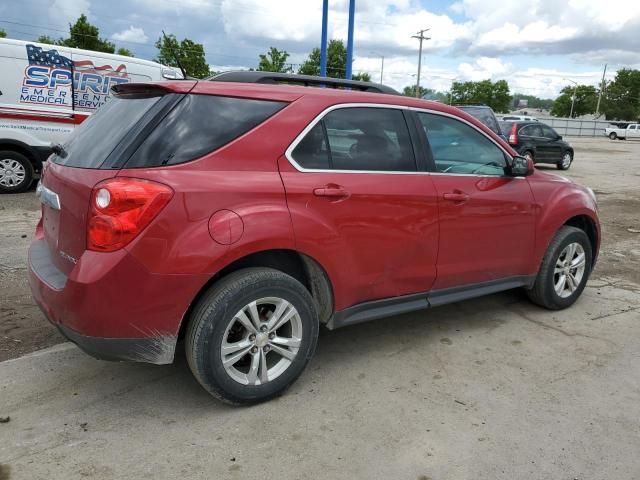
[{"x": 523, "y": 103}]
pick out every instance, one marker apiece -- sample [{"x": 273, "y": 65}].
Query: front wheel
[
  {"x": 565, "y": 163},
  {"x": 252, "y": 335},
  {"x": 564, "y": 271}
]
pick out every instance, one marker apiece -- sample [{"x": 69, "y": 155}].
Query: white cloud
[
  {"x": 68, "y": 11},
  {"x": 131, "y": 34}
]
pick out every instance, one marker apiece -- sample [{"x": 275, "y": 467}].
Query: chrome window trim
[{"x": 321, "y": 115}]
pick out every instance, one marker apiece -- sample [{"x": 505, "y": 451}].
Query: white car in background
[
  {"x": 45, "y": 91},
  {"x": 518, "y": 118},
  {"x": 622, "y": 131}
]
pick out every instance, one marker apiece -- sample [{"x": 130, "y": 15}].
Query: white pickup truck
[{"x": 631, "y": 131}]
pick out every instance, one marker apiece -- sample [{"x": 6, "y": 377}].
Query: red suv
[{"x": 242, "y": 216}]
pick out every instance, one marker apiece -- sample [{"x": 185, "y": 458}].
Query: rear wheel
[
  {"x": 613, "y": 135},
  {"x": 252, "y": 335},
  {"x": 565, "y": 163},
  {"x": 16, "y": 172},
  {"x": 564, "y": 271}
]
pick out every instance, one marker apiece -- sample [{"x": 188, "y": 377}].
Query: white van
[{"x": 45, "y": 91}]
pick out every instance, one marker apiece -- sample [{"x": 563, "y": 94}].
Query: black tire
[
  {"x": 211, "y": 317},
  {"x": 561, "y": 165},
  {"x": 25, "y": 183},
  {"x": 543, "y": 292},
  {"x": 613, "y": 136}
]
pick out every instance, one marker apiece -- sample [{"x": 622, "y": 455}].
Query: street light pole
[
  {"x": 573, "y": 97},
  {"x": 420, "y": 36},
  {"x": 602, "y": 85}
]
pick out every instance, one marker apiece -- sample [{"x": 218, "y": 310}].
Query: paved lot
[{"x": 493, "y": 388}]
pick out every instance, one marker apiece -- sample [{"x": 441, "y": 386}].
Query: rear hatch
[
  {"x": 141, "y": 126},
  {"x": 93, "y": 153}
]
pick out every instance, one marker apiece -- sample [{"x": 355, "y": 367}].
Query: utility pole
[
  {"x": 420, "y": 36},
  {"x": 601, "y": 90},
  {"x": 382, "y": 69}
]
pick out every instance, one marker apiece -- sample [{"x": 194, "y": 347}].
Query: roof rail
[{"x": 295, "y": 79}]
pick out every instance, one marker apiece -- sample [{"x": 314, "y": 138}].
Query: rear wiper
[{"x": 59, "y": 150}]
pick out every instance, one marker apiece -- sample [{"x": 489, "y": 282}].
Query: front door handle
[
  {"x": 456, "y": 196},
  {"x": 330, "y": 191}
]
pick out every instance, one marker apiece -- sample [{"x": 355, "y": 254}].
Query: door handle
[
  {"x": 456, "y": 196},
  {"x": 333, "y": 192}
]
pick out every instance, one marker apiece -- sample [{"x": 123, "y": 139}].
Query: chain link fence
[{"x": 576, "y": 127}]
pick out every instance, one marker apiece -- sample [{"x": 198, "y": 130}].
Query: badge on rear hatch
[{"x": 48, "y": 197}]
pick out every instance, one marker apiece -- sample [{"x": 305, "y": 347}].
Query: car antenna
[{"x": 175, "y": 56}]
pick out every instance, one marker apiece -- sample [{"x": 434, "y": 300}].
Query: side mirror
[
  {"x": 521, "y": 167},
  {"x": 559, "y": 137}
]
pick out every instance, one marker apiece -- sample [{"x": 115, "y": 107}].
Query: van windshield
[{"x": 91, "y": 143}]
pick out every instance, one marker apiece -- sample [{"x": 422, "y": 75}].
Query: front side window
[
  {"x": 358, "y": 138},
  {"x": 460, "y": 148}
]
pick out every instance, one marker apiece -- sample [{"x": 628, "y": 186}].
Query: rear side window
[
  {"x": 198, "y": 125},
  {"x": 91, "y": 142},
  {"x": 531, "y": 131},
  {"x": 373, "y": 139}
]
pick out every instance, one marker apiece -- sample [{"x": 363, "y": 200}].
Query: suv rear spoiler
[
  {"x": 177, "y": 86},
  {"x": 304, "y": 80}
]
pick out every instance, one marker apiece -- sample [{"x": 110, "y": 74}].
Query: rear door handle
[
  {"x": 456, "y": 196},
  {"x": 334, "y": 192}
]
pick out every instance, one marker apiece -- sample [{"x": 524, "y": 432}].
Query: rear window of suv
[
  {"x": 200, "y": 124},
  {"x": 92, "y": 142},
  {"x": 180, "y": 128}
]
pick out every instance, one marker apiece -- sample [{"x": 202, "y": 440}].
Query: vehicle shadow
[{"x": 173, "y": 387}]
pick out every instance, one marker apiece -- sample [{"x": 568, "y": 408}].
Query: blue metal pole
[
  {"x": 323, "y": 45},
  {"x": 352, "y": 13}
]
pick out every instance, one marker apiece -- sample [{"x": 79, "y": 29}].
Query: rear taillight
[
  {"x": 120, "y": 209},
  {"x": 513, "y": 136}
]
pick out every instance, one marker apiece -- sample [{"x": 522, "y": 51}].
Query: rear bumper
[
  {"x": 157, "y": 350},
  {"x": 110, "y": 305}
]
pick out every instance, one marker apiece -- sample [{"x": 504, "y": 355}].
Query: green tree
[
  {"x": 191, "y": 55},
  {"x": 362, "y": 77},
  {"x": 532, "y": 101},
  {"x": 622, "y": 96},
  {"x": 125, "y": 52},
  {"x": 3, "y": 34},
  {"x": 410, "y": 91},
  {"x": 586, "y": 98},
  {"x": 82, "y": 34},
  {"x": 494, "y": 94},
  {"x": 336, "y": 62},
  {"x": 47, "y": 39},
  {"x": 274, "y": 61}
]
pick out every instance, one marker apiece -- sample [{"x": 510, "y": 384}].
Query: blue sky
[{"x": 534, "y": 44}]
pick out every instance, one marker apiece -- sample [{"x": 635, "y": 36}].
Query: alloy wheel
[
  {"x": 569, "y": 270},
  {"x": 566, "y": 160},
  {"x": 261, "y": 341},
  {"x": 12, "y": 172}
]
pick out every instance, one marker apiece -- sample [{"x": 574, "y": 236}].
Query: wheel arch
[
  {"x": 300, "y": 266},
  {"x": 24, "y": 149},
  {"x": 587, "y": 225}
]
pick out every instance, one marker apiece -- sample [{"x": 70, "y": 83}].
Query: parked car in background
[
  {"x": 45, "y": 91},
  {"x": 242, "y": 216},
  {"x": 518, "y": 118},
  {"x": 485, "y": 114},
  {"x": 631, "y": 131},
  {"x": 540, "y": 142}
]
